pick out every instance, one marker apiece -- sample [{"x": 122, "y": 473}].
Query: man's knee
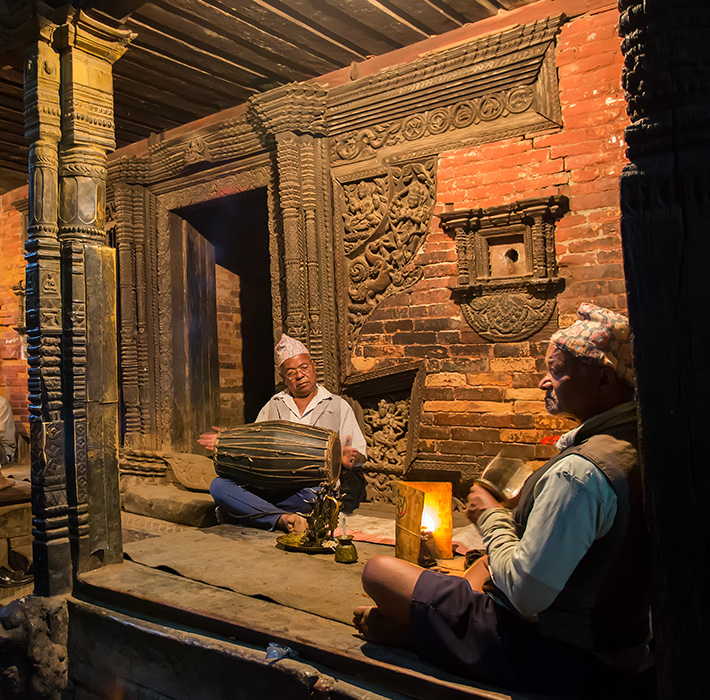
[{"x": 375, "y": 571}]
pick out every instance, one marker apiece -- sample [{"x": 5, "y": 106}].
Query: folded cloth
[{"x": 17, "y": 492}]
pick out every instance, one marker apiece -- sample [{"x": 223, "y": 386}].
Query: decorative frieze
[
  {"x": 507, "y": 269},
  {"x": 495, "y": 85}
]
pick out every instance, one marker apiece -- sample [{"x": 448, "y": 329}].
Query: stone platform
[{"x": 143, "y": 630}]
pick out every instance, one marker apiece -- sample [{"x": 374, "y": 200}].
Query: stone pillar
[
  {"x": 71, "y": 300},
  {"x": 87, "y": 52},
  {"x": 293, "y": 117},
  {"x": 665, "y": 201},
  {"x": 50, "y": 507}
]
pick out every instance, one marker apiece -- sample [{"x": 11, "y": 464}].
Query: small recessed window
[{"x": 512, "y": 255}]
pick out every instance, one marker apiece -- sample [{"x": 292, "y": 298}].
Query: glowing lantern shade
[{"x": 423, "y": 505}]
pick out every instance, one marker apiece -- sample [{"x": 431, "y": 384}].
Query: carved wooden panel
[
  {"x": 390, "y": 403},
  {"x": 507, "y": 270},
  {"x": 382, "y": 223}
]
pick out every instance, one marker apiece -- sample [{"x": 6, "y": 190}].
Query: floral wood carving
[
  {"x": 507, "y": 282},
  {"x": 384, "y": 221}
]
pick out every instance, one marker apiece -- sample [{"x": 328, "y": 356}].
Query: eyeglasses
[{"x": 305, "y": 368}]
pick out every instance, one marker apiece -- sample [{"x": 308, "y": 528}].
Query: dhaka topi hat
[
  {"x": 602, "y": 335},
  {"x": 288, "y": 347}
]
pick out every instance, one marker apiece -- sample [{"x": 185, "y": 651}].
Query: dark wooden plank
[
  {"x": 473, "y": 10},
  {"x": 214, "y": 31},
  {"x": 280, "y": 21},
  {"x": 171, "y": 47},
  {"x": 181, "y": 107},
  {"x": 152, "y": 593},
  {"x": 380, "y": 19},
  {"x": 191, "y": 89},
  {"x": 337, "y": 26},
  {"x": 431, "y": 17},
  {"x": 174, "y": 69},
  {"x": 12, "y": 156},
  {"x": 304, "y": 58}
]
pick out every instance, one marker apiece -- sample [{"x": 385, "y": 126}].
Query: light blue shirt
[{"x": 574, "y": 505}]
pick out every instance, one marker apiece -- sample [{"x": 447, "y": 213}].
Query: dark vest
[{"x": 604, "y": 605}]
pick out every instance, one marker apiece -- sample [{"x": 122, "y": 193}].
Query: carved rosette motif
[
  {"x": 494, "y": 105},
  {"x": 507, "y": 271},
  {"x": 384, "y": 222}
]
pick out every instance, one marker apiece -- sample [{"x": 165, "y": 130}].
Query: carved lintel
[
  {"x": 507, "y": 281},
  {"x": 490, "y": 87}
]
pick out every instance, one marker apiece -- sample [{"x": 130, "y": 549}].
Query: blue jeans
[{"x": 248, "y": 508}]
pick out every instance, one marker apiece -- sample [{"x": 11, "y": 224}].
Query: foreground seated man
[
  {"x": 305, "y": 402},
  {"x": 565, "y": 609}
]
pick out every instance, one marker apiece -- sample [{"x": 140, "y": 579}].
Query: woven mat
[{"x": 247, "y": 561}]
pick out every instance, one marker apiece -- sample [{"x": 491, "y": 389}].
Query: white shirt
[{"x": 325, "y": 410}]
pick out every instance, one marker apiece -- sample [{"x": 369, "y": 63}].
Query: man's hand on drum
[
  {"x": 208, "y": 440},
  {"x": 350, "y": 457}
]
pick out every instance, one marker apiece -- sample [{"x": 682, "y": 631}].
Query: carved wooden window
[{"x": 507, "y": 269}]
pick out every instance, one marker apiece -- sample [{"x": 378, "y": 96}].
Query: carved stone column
[
  {"x": 50, "y": 508},
  {"x": 87, "y": 51},
  {"x": 293, "y": 117},
  {"x": 665, "y": 200}
]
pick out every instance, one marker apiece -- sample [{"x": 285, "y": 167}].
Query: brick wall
[
  {"x": 229, "y": 340},
  {"x": 480, "y": 395},
  {"x": 13, "y": 368}
]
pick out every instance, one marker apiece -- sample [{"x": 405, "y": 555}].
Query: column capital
[{"x": 80, "y": 31}]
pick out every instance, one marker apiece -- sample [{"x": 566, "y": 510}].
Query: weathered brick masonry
[
  {"x": 481, "y": 395},
  {"x": 229, "y": 339},
  {"x": 13, "y": 368}
]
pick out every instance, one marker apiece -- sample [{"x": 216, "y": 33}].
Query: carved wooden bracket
[
  {"x": 507, "y": 269},
  {"x": 389, "y": 401},
  {"x": 383, "y": 221}
]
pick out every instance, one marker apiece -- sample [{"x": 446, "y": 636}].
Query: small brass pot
[{"x": 346, "y": 552}]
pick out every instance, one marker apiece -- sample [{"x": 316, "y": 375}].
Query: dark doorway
[{"x": 237, "y": 227}]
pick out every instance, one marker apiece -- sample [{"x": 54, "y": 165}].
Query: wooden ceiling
[{"x": 192, "y": 58}]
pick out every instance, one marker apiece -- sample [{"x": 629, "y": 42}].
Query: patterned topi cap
[
  {"x": 602, "y": 335},
  {"x": 288, "y": 347}
]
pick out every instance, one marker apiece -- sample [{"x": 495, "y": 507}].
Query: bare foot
[
  {"x": 375, "y": 627},
  {"x": 292, "y": 522},
  {"x": 6, "y": 482}
]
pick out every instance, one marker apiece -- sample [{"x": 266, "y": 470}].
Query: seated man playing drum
[{"x": 304, "y": 402}]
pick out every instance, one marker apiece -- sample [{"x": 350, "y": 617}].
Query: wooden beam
[{"x": 204, "y": 30}]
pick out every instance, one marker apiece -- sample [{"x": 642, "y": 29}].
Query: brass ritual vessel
[{"x": 346, "y": 552}]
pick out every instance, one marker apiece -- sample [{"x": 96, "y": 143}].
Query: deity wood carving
[
  {"x": 384, "y": 222},
  {"x": 507, "y": 281}
]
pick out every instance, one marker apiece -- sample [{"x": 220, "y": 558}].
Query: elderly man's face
[
  {"x": 570, "y": 385},
  {"x": 299, "y": 375}
]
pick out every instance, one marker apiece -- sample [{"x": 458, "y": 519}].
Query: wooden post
[
  {"x": 71, "y": 300},
  {"x": 50, "y": 508},
  {"x": 665, "y": 200}
]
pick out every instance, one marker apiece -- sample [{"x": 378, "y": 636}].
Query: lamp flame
[{"x": 428, "y": 522}]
